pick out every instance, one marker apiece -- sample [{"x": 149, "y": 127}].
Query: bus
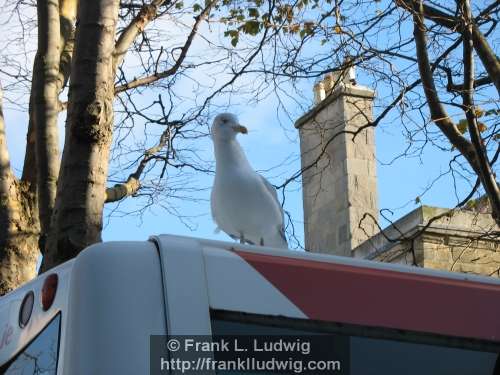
[{"x": 119, "y": 308}]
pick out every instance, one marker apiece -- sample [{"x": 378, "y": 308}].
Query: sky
[
  {"x": 267, "y": 146},
  {"x": 272, "y": 147}
]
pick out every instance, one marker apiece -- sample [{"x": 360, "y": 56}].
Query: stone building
[{"x": 340, "y": 193}]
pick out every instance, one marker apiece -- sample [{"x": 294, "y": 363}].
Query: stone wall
[
  {"x": 461, "y": 254},
  {"x": 459, "y": 241}
]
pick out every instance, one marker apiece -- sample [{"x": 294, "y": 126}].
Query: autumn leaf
[
  {"x": 481, "y": 126},
  {"x": 337, "y": 29},
  {"x": 294, "y": 28},
  {"x": 479, "y": 112}
]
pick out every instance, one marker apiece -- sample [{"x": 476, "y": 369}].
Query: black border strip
[{"x": 358, "y": 330}]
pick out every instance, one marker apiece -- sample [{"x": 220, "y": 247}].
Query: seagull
[{"x": 244, "y": 204}]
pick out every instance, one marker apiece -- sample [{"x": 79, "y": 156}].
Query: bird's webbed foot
[{"x": 242, "y": 238}]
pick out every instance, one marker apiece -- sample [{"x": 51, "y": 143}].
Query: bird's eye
[{"x": 224, "y": 120}]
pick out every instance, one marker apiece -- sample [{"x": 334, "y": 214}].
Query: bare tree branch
[
  {"x": 485, "y": 174},
  {"x": 157, "y": 76},
  {"x": 147, "y": 13},
  {"x": 67, "y": 10},
  {"x": 490, "y": 61},
  {"x": 132, "y": 185}
]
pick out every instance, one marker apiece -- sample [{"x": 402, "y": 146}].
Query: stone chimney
[{"x": 339, "y": 180}]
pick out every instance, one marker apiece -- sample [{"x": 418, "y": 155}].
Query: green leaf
[
  {"x": 251, "y": 27},
  {"x": 309, "y": 27},
  {"x": 492, "y": 112},
  {"x": 179, "y": 5},
  {"x": 253, "y": 12},
  {"x": 463, "y": 126},
  {"x": 234, "y": 41},
  {"x": 196, "y": 7}
]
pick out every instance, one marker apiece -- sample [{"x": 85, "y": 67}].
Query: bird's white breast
[{"x": 244, "y": 205}]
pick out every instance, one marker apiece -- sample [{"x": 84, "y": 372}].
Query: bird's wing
[
  {"x": 274, "y": 194},
  {"x": 213, "y": 209}
]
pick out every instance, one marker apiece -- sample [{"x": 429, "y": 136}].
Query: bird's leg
[
  {"x": 242, "y": 238},
  {"x": 261, "y": 241}
]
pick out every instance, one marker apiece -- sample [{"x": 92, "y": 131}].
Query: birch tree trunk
[{"x": 77, "y": 218}]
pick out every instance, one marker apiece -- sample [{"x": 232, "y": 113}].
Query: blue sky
[
  {"x": 272, "y": 146},
  {"x": 269, "y": 144}
]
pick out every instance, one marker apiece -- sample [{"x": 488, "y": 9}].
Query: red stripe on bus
[{"x": 383, "y": 298}]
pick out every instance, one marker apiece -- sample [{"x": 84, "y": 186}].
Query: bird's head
[{"x": 226, "y": 127}]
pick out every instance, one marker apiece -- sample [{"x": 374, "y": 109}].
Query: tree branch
[
  {"x": 460, "y": 86},
  {"x": 437, "y": 110},
  {"x": 490, "y": 61},
  {"x": 157, "y": 76},
  {"x": 147, "y": 13},
  {"x": 67, "y": 19},
  {"x": 485, "y": 172},
  {"x": 132, "y": 185}
]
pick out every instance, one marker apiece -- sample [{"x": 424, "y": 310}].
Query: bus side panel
[{"x": 115, "y": 304}]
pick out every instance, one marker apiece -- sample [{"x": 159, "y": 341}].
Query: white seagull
[{"x": 244, "y": 204}]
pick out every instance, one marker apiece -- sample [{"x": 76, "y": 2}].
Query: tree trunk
[
  {"x": 19, "y": 233},
  {"x": 19, "y": 226},
  {"x": 81, "y": 192},
  {"x": 46, "y": 108}
]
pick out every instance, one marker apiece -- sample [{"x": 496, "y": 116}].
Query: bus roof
[
  {"x": 265, "y": 281},
  {"x": 360, "y": 292}
]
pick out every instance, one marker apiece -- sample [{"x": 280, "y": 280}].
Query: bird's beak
[{"x": 240, "y": 129}]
